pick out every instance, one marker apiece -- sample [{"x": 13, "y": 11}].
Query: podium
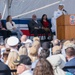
[{"x": 65, "y": 25}]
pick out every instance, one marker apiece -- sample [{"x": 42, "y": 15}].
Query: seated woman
[
  {"x": 46, "y": 25},
  {"x": 12, "y": 27}
]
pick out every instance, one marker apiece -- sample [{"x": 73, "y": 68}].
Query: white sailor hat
[
  {"x": 61, "y": 4},
  {"x": 12, "y": 41}
]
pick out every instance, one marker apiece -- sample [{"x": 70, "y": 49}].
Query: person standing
[{"x": 57, "y": 14}]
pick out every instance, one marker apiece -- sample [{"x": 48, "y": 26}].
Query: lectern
[{"x": 65, "y": 25}]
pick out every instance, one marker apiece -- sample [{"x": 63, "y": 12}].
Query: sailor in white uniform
[{"x": 57, "y": 14}]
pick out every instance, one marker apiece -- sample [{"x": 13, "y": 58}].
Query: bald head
[
  {"x": 34, "y": 17},
  {"x": 56, "y": 42},
  {"x": 23, "y": 38}
]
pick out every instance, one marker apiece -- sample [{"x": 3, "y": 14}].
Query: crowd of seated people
[{"x": 34, "y": 57}]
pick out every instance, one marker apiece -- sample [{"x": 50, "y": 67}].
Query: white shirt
[
  {"x": 56, "y": 14},
  {"x": 9, "y": 26},
  {"x": 27, "y": 72},
  {"x": 53, "y": 28}
]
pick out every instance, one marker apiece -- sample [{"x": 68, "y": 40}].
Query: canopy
[{"x": 25, "y": 8}]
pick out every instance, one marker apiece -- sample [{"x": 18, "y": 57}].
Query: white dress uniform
[{"x": 56, "y": 14}]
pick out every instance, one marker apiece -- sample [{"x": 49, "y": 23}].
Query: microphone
[{"x": 65, "y": 11}]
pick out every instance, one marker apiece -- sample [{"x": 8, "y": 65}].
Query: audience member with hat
[
  {"x": 23, "y": 65},
  {"x": 13, "y": 43}
]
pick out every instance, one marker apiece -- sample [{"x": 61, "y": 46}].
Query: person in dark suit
[
  {"x": 35, "y": 26},
  {"x": 3, "y": 31},
  {"x": 4, "y": 69},
  {"x": 70, "y": 56}
]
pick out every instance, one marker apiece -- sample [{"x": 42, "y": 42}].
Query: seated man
[
  {"x": 35, "y": 26},
  {"x": 3, "y": 32}
]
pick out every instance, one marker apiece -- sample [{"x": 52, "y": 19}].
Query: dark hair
[
  {"x": 70, "y": 51},
  {"x": 45, "y": 45},
  {"x": 44, "y": 53},
  {"x": 25, "y": 60},
  {"x": 43, "y": 67},
  {"x": 43, "y": 17},
  {"x": 7, "y": 19}
]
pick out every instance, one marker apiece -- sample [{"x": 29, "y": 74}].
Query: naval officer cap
[
  {"x": 61, "y": 4},
  {"x": 12, "y": 41}
]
